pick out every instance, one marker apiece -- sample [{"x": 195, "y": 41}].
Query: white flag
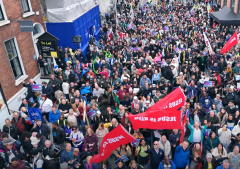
[
  {"x": 55, "y": 64},
  {"x": 207, "y": 43}
]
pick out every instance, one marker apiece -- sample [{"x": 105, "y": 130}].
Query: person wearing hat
[
  {"x": 37, "y": 161},
  {"x": 207, "y": 162},
  {"x": 147, "y": 105}
]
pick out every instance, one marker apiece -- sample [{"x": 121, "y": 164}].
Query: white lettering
[
  {"x": 164, "y": 118},
  {"x": 115, "y": 139},
  {"x": 233, "y": 40}
]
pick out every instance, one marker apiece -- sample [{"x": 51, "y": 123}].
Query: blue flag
[{"x": 34, "y": 114}]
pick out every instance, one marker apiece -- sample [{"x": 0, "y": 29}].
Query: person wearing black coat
[
  {"x": 26, "y": 104},
  {"x": 10, "y": 129},
  {"x": 29, "y": 89},
  {"x": 26, "y": 144},
  {"x": 41, "y": 144},
  {"x": 54, "y": 82},
  {"x": 48, "y": 90},
  {"x": 58, "y": 134},
  {"x": 205, "y": 161},
  {"x": 41, "y": 128}
]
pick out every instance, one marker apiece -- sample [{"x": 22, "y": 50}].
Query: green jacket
[
  {"x": 202, "y": 128},
  {"x": 107, "y": 54}
]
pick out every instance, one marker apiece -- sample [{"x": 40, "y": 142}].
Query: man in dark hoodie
[{"x": 16, "y": 164}]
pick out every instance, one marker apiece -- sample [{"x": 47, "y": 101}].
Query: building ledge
[
  {"x": 25, "y": 15},
  {"x": 20, "y": 80},
  {"x": 4, "y": 22}
]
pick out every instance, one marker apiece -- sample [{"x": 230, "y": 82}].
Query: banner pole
[{"x": 4, "y": 98}]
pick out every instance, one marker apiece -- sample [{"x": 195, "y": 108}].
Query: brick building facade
[{"x": 18, "y": 50}]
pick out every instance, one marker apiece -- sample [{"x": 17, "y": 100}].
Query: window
[
  {"x": 1, "y": 14},
  {"x": 3, "y": 17},
  {"x": 25, "y": 6},
  {"x": 13, "y": 57},
  {"x": 225, "y": 2}
]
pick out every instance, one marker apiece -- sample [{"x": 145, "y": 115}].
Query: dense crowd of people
[{"x": 143, "y": 54}]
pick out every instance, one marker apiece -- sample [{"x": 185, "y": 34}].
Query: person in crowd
[
  {"x": 19, "y": 122},
  {"x": 236, "y": 129},
  {"x": 196, "y": 133},
  {"x": 196, "y": 150},
  {"x": 167, "y": 163},
  {"x": 120, "y": 165},
  {"x": 225, "y": 165},
  {"x": 181, "y": 155},
  {"x": 225, "y": 136},
  {"x": 40, "y": 127},
  {"x": 45, "y": 106},
  {"x": 71, "y": 116},
  {"x": 90, "y": 141},
  {"x": 105, "y": 165},
  {"x": 58, "y": 134},
  {"x": 133, "y": 165},
  {"x": 49, "y": 148},
  {"x": 219, "y": 152},
  {"x": 165, "y": 145},
  {"x": 101, "y": 132},
  {"x": 76, "y": 138},
  {"x": 223, "y": 116},
  {"x": 62, "y": 122},
  {"x": 87, "y": 165},
  {"x": 142, "y": 156},
  {"x": 156, "y": 155},
  {"x": 11, "y": 129},
  {"x": 54, "y": 82},
  {"x": 113, "y": 124},
  {"x": 234, "y": 158},
  {"x": 30, "y": 93},
  {"x": 17, "y": 164},
  {"x": 67, "y": 155},
  {"x": 212, "y": 141},
  {"x": 47, "y": 89},
  {"x": 54, "y": 115},
  {"x": 64, "y": 106}
]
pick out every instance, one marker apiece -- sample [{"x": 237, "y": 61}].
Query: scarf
[{"x": 88, "y": 166}]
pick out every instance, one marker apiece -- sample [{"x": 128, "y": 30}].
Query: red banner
[
  {"x": 230, "y": 43},
  {"x": 172, "y": 101},
  {"x": 183, "y": 127},
  {"x": 164, "y": 119},
  {"x": 111, "y": 142}
]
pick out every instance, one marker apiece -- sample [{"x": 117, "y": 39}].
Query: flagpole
[{"x": 4, "y": 99}]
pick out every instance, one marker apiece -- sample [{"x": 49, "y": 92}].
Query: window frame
[
  {"x": 5, "y": 20},
  {"x": 27, "y": 1},
  {"x": 1, "y": 12},
  {"x": 23, "y": 76}
]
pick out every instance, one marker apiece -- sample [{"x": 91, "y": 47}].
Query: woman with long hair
[
  {"x": 211, "y": 142},
  {"x": 91, "y": 141},
  {"x": 219, "y": 151},
  {"x": 142, "y": 156},
  {"x": 123, "y": 150},
  {"x": 101, "y": 132}
]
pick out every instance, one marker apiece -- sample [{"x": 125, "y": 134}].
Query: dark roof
[
  {"x": 226, "y": 17},
  {"x": 47, "y": 36}
]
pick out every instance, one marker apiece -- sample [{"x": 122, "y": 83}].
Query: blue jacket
[
  {"x": 155, "y": 158},
  {"x": 65, "y": 156},
  {"x": 142, "y": 81},
  {"x": 54, "y": 117},
  {"x": 173, "y": 166},
  {"x": 221, "y": 167},
  {"x": 156, "y": 77},
  {"x": 202, "y": 100},
  {"x": 181, "y": 157},
  {"x": 192, "y": 91}
]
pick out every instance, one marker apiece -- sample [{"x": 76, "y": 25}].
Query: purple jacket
[{"x": 91, "y": 140}]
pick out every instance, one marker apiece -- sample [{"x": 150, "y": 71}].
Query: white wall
[{"x": 15, "y": 101}]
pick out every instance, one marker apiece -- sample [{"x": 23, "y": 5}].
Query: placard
[
  {"x": 36, "y": 87},
  {"x": 207, "y": 84}
]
